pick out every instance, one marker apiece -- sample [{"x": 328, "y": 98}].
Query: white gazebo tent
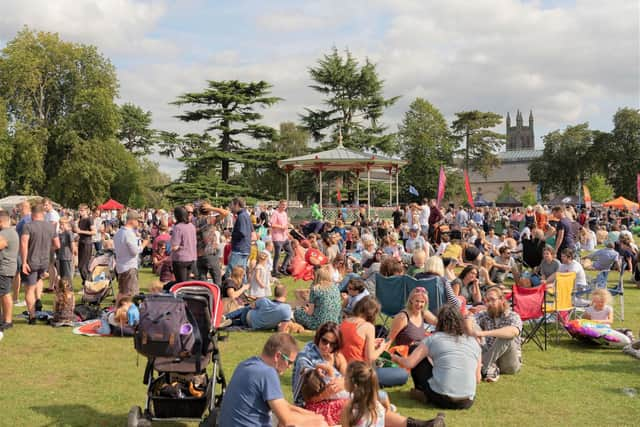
[{"x": 346, "y": 160}]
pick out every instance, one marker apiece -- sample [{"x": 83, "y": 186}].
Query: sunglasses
[
  {"x": 325, "y": 341},
  {"x": 286, "y": 359}
]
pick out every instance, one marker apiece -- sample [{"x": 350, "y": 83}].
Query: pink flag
[
  {"x": 467, "y": 188},
  {"x": 638, "y": 186},
  {"x": 442, "y": 182}
]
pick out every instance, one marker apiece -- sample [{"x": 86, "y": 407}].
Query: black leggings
[
  {"x": 182, "y": 270},
  {"x": 421, "y": 375}
]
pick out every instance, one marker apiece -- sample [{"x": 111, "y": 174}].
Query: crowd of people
[{"x": 473, "y": 253}]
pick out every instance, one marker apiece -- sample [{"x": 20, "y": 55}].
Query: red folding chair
[{"x": 529, "y": 304}]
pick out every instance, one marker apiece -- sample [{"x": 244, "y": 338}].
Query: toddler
[
  {"x": 65, "y": 252},
  {"x": 600, "y": 310},
  {"x": 260, "y": 278}
]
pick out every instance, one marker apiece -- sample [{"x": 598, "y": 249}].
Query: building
[{"x": 515, "y": 161}]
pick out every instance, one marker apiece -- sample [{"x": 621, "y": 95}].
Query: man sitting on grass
[
  {"x": 264, "y": 314},
  {"x": 254, "y": 390},
  {"x": 500, "y": 327}
]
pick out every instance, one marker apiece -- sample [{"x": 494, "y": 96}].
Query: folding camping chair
[
  {"x": 529, "y": 304},
  {"x": 435, "y": 289},
  {"x": 561, "y": 304},
  {"x": 618, "y": 291},
  {"x": 391, "y": 292}
]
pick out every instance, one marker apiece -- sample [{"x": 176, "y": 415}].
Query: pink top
[
  {"x": 183, "y": 235},
  {"x": 282, "y": 219}
]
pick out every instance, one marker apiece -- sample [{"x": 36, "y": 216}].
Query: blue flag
[{"x": 413, "y": 191}]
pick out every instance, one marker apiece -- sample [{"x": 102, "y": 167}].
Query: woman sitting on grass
[
  {"x": 324, "y": 304},
  {"x": 446, "y": 366},
  {"x": 407, "y": 327}
]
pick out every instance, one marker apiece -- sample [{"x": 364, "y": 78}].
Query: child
[
  {"x": 600, "y": 310},
  {"x": 365, "y": 410},
  {"x": 314, "y": 386},
  {"x": 65, "y": 253},
  {"x": 233, "y": 291},
  {"x": 124, "y": 318},
  {"x": 356, "y": 290},
  {"x": 260, "y": 286}
]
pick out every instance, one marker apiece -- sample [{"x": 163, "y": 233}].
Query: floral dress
[{"x": 327, "y": 307}]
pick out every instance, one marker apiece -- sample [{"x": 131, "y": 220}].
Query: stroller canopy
[{"x": 111, "y": 205}]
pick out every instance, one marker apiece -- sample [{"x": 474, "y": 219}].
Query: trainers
[
  {"x": 493, "y": 374},
  {"x": 22, "y": 303},
  {"x": 32, "y": 321},
  {"x": 5, "y": 326}
]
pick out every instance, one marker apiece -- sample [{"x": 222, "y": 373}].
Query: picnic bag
[{"x": 166, "y": 328}]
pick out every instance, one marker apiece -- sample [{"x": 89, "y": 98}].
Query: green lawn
[{"x": 54, "y": 378}]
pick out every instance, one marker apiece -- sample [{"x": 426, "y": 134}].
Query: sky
[{"x": 569, "y": 61}]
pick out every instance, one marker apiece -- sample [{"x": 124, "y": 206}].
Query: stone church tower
[{"x": 520, "y": 137}]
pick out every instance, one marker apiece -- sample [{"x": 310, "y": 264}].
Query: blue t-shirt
[
  {"x": 252, "y": 386},
  {"x": 133, "y": 315},
  {"x": 25, "y": 220},
  {"x": 268, "y": 314}
]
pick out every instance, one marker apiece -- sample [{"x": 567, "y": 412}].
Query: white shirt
[
  {"x": 424, "y": 215},
  {"x": 53, "y": 216},
  {"x": 574, "y": 266},
  {"x": 126, "y": 247}
]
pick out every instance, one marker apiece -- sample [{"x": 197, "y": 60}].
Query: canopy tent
[
  {"x": 346, "y": 160},
  {"x": 111, "y": 205},
  {"x": 10, "y": 202},
  {"x": 480, "y": 202},
  {"x": 620, "y": 203},
  {"x": 508, "y": 202}
]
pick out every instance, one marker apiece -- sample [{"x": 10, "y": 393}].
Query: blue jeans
[
  {"x": 390, "y": 377},
  {"x": 277, "y": 248},
  {"x": 237, "y": 258},
  {"x": 239, "y": 316}
]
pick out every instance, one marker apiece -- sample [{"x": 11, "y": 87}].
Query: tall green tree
[
  {"x": 619, "y": 152},
  {"x": 567, "y": 159},
  {"x": 62, "y": 121},
  {"x": 427, "y": 143},
  {"x": 599, "y": 189},
  {"x": 354, "y": 103},
  {"x": 230, "y": 109},
  {"x": 6, "y": 148},
  {"x": 473, "y": 128},
  {"x": 135, "y": 130}
]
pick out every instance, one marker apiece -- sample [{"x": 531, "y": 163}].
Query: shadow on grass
[{"x": 84, "y": 415}]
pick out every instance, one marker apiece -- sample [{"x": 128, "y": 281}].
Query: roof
[
  {"x": 519, "y": 155},
  {"x": 341, "y": 158}
]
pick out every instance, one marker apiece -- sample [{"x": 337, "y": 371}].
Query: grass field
[{"x": 54, "y": 378}]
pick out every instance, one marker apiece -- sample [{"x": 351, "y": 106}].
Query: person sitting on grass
[
  {"x": 263, "y": 314},
  {"x": 356, "y": 290},
  {"x": 254, "y": 392},
  {"x": 549, "y": 265},
  {"x": 446, "y": 365},
  {"x": 500, "y": 327},
  {"x": 364, "y": 409},
  {"x": 408, "y": 327},
  {"x": 467, "y": 285},
  {"x": 324, "y": 302}
]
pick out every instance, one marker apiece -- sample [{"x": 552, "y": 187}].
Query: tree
[
  {"x": 566, "y": 160},
  {"x": 599, "y": 189},
  {"x": 6, "y": 148},
  {"x": 427, "y": 143},
  {"x": 229, "y": 107},
  {"x": 354, "y": 103},
  {"x": 135, "y": 131},
  {"x": 506, "y": 193},
  {"x": 528, "y": 198},
  {"x": 481, "y": 143},
  {"x": 619, "y": 152},
  {"x": 62, "y": 122}
]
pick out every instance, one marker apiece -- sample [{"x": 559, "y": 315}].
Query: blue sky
[{"x": 569, "y": 61}]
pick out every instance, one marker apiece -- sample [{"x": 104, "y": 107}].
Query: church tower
[{"x": 520, "y": 137}]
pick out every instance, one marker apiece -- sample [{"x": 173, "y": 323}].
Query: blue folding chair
[
  {"x": 435, "y": 289},
  {"x": 391, "y": 293}
]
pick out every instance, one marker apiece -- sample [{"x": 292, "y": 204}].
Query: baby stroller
[
  {"x": 99, "y": 286},
  {"x": 180, "y": 387}
]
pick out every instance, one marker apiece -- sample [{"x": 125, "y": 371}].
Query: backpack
[{"x": 167, "y": 328}]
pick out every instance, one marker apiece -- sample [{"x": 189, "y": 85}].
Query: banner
[
  {"x": 638, "y": 186},
  {"x": 442, "y": 182},
  {"x": 587, "y": 196},
  {"x": 467, "y": 188}
]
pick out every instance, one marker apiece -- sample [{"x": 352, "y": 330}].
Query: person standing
[
  {"x": 564, "y": 231},
  {"x": 435, "y": 216},
  {"x": 240, "y": 236},
  {"x": 127, "y": 247},
  {"x": 280, "y": 237},
  {"x": 36, "y": 241},
  {"x": 254, "y": 392},
  {"x": 96, "y": 239},
  {"x": 85, "y": 231},
  {"x": 208, "y": 247},
  {"x": 425, "y": 213},
  {"x": 51, "y": 216},
  {"x": 183, "y": 245},
  {"x": 25, "y": 217},
  {"x": 9, "y": 245}
]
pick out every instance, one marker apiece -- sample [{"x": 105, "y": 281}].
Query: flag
[
  {"x": 412, "y": 190},
  {"x": 467, "y": 188},
  {"x": 442, "y": 182},
  {"x": 638, "y": 186},
  {"x": 338, "y": 195},
  {"x": 587, "y": 196}
]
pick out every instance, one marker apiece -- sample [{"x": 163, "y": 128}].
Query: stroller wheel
[{"x": 136, "y": 419}]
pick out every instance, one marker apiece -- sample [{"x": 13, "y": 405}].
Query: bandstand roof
[{"x": 341, "y": 159}]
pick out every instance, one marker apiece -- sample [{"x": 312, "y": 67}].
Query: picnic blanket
[{"x": 89, "y": 328}]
